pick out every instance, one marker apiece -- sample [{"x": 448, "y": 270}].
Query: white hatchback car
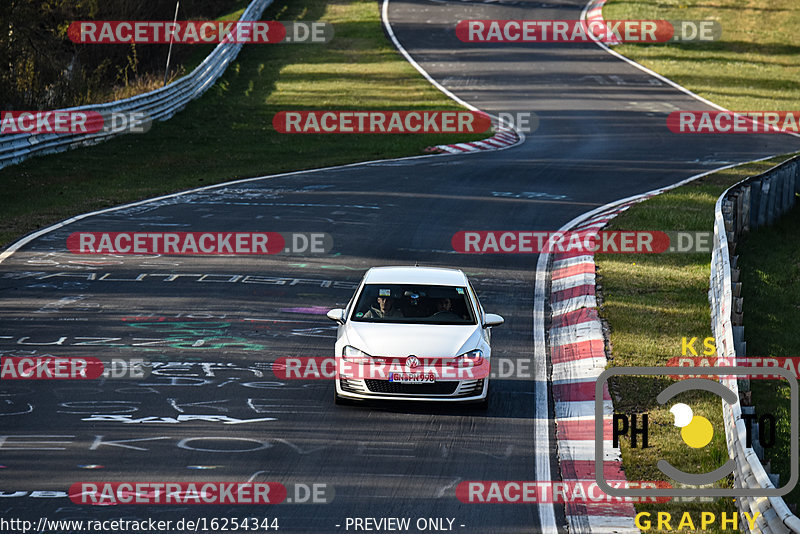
[{"x": 414, "y": 333}]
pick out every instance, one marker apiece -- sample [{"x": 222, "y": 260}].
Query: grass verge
[
  {"x": 769, "y": 260},
  {"x": 650, "y": 302},
  {"x": 753, "y": 67},
  {"x": 227, "y": 134}
]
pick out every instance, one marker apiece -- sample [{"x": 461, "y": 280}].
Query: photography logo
[{"x": 695, "y": 431}]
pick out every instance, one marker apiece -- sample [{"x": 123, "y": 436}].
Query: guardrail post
[
  {"x": 745, "y": 209},
  {"x": 763, "y": 201},
  {"x": 785, "y": 190},
  {"x": 755, "y": 204},
  {"x": 728, "y": 214},
  {"x": 796, "y": 176},
  {"x": 738, "y": 213},
  {"x": 737, "y": 313},
  {"x": 773, "y": 189},
  {"x": 787, "y": 172},
  {"x": 778, "y": 210},
  {"x": 739, "y": 343}
]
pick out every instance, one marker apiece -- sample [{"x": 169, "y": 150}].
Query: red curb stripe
[
  {"x": 578, "y": 391},
  {"x": 571, "y": 254},
  {"x": 494, "y": 142},
  {"x": 574, "y": 317},
  {"x": 498, "y": 140},
  {"x": 579, "y": 268},
  {"x": 594, "y": 348},
  {"x": 581, "y": 429},
  {"x": 577, "y": 291},
  {"x": 592, "y": 225},
  {"x": 585, "y": 470}
]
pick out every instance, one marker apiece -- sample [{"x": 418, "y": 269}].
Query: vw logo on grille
[{"x": 412, "y": 362}]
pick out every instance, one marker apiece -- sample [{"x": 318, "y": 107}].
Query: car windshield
[{"x": 413, "y": 303}]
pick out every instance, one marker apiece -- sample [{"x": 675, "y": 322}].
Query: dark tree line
[{"x": 40, "y": 68}]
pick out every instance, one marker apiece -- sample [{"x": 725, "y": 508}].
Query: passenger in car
[{"x": 385, "y": 309}]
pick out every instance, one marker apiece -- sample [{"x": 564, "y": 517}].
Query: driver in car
[
  {"x": 444, "y": 309},
  {"x": 385, "y": 309}
]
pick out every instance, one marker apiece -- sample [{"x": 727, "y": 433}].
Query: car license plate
[{"x": 412, "y": 378}]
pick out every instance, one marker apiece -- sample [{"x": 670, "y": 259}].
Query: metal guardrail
[
  {"x": 754, "y": 202},
  {"x": 160, "y": 104}
]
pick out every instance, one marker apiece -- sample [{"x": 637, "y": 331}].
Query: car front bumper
[{"x": 442, "y": 391}]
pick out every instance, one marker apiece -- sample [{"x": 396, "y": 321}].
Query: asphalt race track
[{"x": 215, "y": 325}]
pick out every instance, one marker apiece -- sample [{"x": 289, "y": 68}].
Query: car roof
[{"x": 415, "y": 275}]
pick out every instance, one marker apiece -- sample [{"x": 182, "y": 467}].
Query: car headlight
[
  {"x": 352, "y": 354},
  {"x": 473, "y": 358}
]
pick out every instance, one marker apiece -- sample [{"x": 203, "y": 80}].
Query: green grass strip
[
  {"x": 650, "y": 302},
  {"x": 753, "y": 67},
  {"x": 769, "y": 260}
]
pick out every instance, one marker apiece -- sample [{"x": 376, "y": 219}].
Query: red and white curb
[
  {"x": 503, "y": 138},
  {"x": 577, "y": 355},
  {"x": 594, "y": 12}
]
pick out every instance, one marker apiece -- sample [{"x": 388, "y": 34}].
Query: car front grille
[
  {"x": 353, "y": 386},
  {"x": 465, "y": 388},
  {"x": 438, "y": 388},
  {"x": 470, "y": 388}
]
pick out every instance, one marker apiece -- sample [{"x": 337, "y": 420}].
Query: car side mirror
[
  {"x": 492, "y": 319},
  {"x": 337, "y": 315}
]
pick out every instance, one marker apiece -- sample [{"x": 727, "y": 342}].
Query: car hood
[{"x": 400, "y": 340}]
